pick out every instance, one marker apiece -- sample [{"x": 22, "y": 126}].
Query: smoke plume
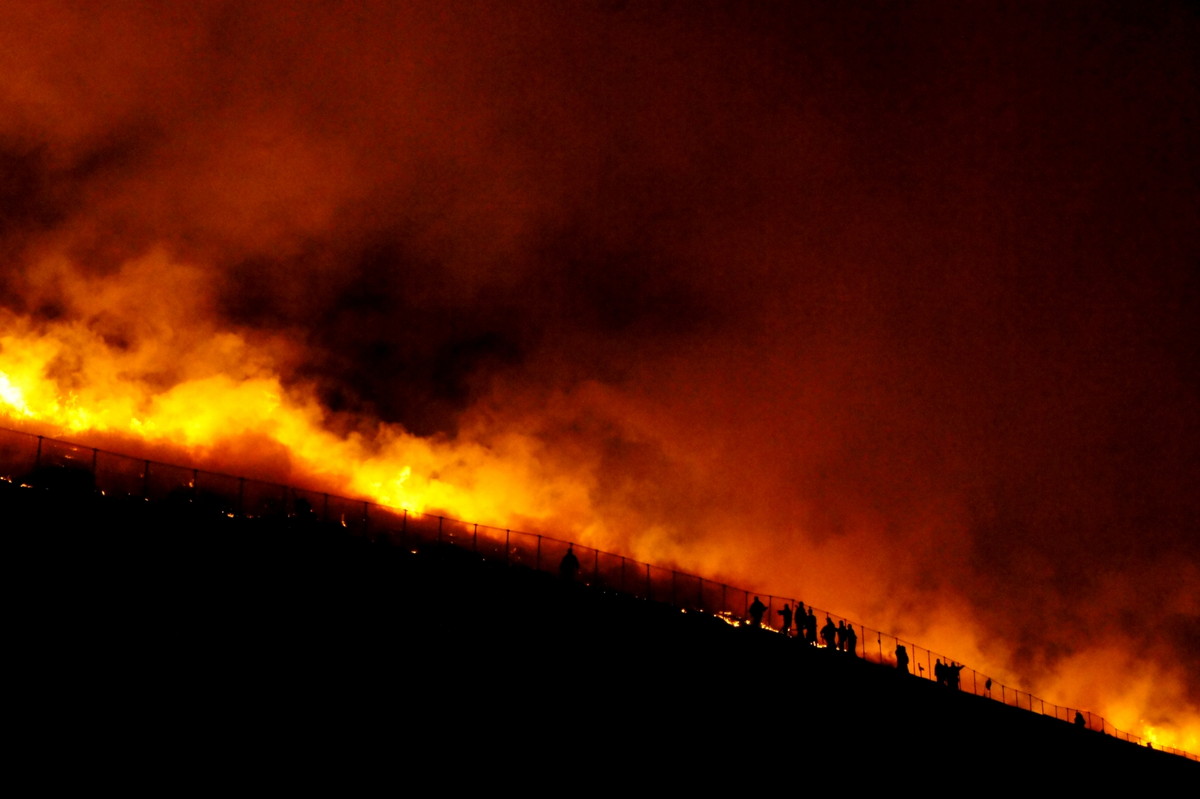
[{"x": 890, "y": 307}]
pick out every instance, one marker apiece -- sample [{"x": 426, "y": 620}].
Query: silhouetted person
[
  {"x": 1079, "y": 722},
  {"x": 988, "y": 686},
  {"x": 901, "y": 658},
  {"x": 757, "y": 609},
  {"x": 954, "y": 675},
  {"x": 851, "y": 640},
  {"x": 810, "y": 626},
  {"x": 302, "y": 508},
  {"x": 939, "y": 672},
  {"x": 829, "y": 633},
  {"x": 568, "y": 567},
  {"x": 787, "y": 619},
  {"x": 841, "y": 635}
]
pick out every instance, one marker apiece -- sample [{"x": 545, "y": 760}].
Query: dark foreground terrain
[{"x": 160, "y": 644}]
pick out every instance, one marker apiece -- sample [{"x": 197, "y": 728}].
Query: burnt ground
[{"x": 164, "y": 644}]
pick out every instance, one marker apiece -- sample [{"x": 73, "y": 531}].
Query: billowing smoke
[{"x": 891, "y": 308}]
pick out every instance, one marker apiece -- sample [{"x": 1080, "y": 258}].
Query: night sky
[{"x": 891, "y": 306}]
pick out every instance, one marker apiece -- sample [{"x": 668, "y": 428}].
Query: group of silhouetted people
[
  {"x": 806, "y": 625},
  {"x": 947, "y": 674},
  {"x": 840, "y": 637}
]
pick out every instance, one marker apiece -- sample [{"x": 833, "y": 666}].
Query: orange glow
[
  {"x": 894, "y": 316},
  {"x": 228, "y": 408},
  {"x": 212, "y": 396},
  {"x": 227, "y": 403}
]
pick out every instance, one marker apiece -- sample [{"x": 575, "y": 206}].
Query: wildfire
[
  {"x": 161, "y": 376},
  {"x": 171, "y": 381}
]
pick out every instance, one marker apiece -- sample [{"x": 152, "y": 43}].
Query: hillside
[{"x": 283, "y": 631}]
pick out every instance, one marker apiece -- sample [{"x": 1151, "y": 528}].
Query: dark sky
[{"x": 894, "y": 305}]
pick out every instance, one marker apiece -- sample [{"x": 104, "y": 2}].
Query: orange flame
[{"x": 160, "y": 374}]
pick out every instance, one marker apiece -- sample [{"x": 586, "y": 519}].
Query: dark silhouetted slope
[{"x": 196, "y": 634}]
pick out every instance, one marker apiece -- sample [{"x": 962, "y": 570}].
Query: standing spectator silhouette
[
  {"x": 757, "y": 609},
  {"x": 841, "y": 635},
  {"x": 829, "y": 633},
  {"x": 851, "y": 640},
  {"x": 568, "y": 567},
  {"x": 810, "y": 627},
  {"x": 901, "y": 658},
  {"x": 787, "y": 619}
]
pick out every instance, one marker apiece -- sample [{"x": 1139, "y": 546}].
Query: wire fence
[{"x": 34, "y": 460}]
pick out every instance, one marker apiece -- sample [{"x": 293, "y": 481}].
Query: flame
[
  {"x": 174, "y": 381},
  {"x": 117, "y": 368},
  {"x": 13, "y": 397}
]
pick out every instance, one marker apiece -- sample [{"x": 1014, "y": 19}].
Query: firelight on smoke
[
  {"x": 890, "y": 307},
  {"x": 62, "y": 376}
]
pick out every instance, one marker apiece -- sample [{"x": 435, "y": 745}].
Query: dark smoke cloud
[{"x": 911, "y": 286}]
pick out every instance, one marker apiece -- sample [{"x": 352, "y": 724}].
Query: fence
[{"x": 27, "y": 457}]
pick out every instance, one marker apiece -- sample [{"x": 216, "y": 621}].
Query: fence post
[
  {"x": 507, "y": 546},
  {"x": 146, "y": 480},
  {"x": 439, "y": 538},
  {"x": 537, "y": 563},
  {"x": 475, "y": 539}
]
